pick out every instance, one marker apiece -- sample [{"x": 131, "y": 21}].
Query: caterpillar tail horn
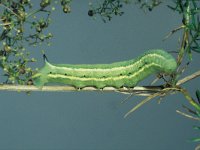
[
  {"x": 39, "y": 78},
  {"x": 45, "y": 58}
]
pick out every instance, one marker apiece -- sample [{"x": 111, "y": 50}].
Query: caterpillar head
[{"x": 170, "y": 65}]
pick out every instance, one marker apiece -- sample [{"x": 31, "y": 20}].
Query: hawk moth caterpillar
[{"x": 119, "y": 74}]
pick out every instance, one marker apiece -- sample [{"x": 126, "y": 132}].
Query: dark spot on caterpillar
[
  {"x": 129, "y": 73},
  {"x": 84, "y": 76},
  {"x": 65, "y": 74},
  {"x": 50, "y": 72},
  {"x": 103, "y": 76},
  {"x": 120, "y": 74},
  {"x": 78, "y": 88}
]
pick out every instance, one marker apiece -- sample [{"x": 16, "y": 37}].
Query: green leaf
[
  {"x": 190, "y": 110},
  {"x": 194, "y": 3},
  {"x": 196, "y": 49},
  {"x": 196, "y": 127},
  {"x": 195, "y": 140},
  {"x": 173, "y": 8},
  {"x": 198, "y": 95},
  {"x": 194, "y": 22}
]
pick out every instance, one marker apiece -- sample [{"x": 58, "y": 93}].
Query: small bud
[
  {"x": 66, "y": 9},
  {"x": 50, "y": 35},
  {"x": 43, "y": 24},
  {"x": 20, "y": 30},
  {"x": 45, "y": 3},
  {"x": 90, "y": 13},
  {"x": 22, "y": 70},
  {"x": 22, "y": 15},
  {"x": 38, "y": 29},
  {"x": 63, "y": 2},
  {"x": 7, "y": 48},
  {"x": 24, "y": 1}
]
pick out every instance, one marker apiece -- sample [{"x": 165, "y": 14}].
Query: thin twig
[
  {"x": 142, "y": 91},
  {"x": 142, "y": 103},
  {"x": 10, "y": 10},
  {"x": 4, "y": 24},
  {"x": 187, "y": 115},
  {"x": 190, "y": 99},
  {"x": 197, "y": 148},
  {"x": 127, "y": 98},
  {"x": 188, "y": 78},
  {"x": 173, "y": 31}
]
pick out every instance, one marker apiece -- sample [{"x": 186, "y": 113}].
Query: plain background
[{"x": 94, "y": 120}]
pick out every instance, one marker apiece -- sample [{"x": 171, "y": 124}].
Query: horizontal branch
[
  {"x": 142, "y": 91},
  {"x": 138, "y": 90}
]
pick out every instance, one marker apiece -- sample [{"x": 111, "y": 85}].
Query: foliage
[
  {"x": 190, "y": 11},
  {"x": 195, "y": 114},
  {"x": 23, "y": 25},
  {"x": 109, "y": 8}
]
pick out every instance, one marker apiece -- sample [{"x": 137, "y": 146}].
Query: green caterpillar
[{"x": 117, "y": 75}]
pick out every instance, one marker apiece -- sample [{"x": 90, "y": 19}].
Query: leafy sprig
[
  {"x": 109, "y": 8},
  {"x": 22, "y": 25},
  {"x": 190, "y": 10}
]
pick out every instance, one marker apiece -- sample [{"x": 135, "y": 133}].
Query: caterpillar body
[{"x": 117, "y": 75}]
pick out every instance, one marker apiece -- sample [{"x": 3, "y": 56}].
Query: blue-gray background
[{"x": 94, "y": 120}]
